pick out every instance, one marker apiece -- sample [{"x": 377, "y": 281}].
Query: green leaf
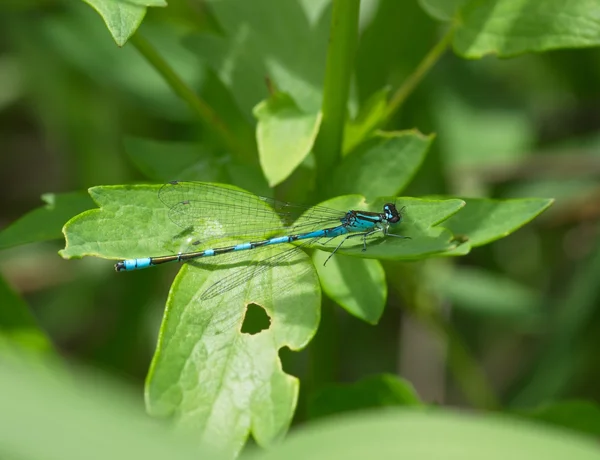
[
  {"x": 419, "y": 222},
  {"x": 484, "y": 220},
  {"x": 444, "y": 10},
  {"x": 381, "y": 166},
  {"x": 45, "y": 223},
  {"x": 510, "y": 27},
  {"x": 582, "y": 416},
  {"x": 290, "y": 48},
  {"x": 131, "y": 222},
  {"x": 368, "y": 119},
  {"x": 218, "y": 382},
  {"x": 404, "y": 433},
  {"x": 122, "y": 17},
  {"x": 358, "y": 285},
  {"x": 42, "y": 407},
  {"x": 164, "y": 161},
  {"x": 370, "y": 392},
  {"x": 285, "y": 136},
  {"x": 17, "y": 324}
]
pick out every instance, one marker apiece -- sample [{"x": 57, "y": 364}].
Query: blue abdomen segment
[{"x": 134, "y": 264}]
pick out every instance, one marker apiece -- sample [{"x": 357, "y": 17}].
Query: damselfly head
[{"x": 391, "y": 213}]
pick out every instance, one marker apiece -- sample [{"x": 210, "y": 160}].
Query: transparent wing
[
  {"x": 218, "y": 211},
  {"x": 244, "y": 274}
]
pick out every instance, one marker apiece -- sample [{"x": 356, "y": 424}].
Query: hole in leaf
[{"x": 255, "y": 320}]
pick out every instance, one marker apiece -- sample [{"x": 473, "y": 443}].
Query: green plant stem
[
  {"x": 415, "y": 78},
  {"x": 204, "y": 112},
  {"x": 343, "y": 40}
]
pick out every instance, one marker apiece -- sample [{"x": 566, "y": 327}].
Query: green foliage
[
  {"x": 437, "y": 434},
  {"x": 45, "y": 223},
  {"x": 123, "y": 17},
  {"x": 371, "y": 392},
  {"x": 318, "y": 102},
  {"x": 18, "y": 327},
  {"x": 581, "y": 416},
  {"x": 283, "y": 127}
]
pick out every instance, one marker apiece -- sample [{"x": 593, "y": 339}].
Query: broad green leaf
[
  {"x": 131, "y": 222},
  {"x": 370, "y": 392},
  {"x": 381, "y": 166},
  {"x": 18, "y": 327},
  {"x": 485, "y": 220},
  {"x": 203, "y": 360},
  {"x": 285, "y": 136},
  {"x": 285, "y": 41},
  {"x": 165, "y": 161},
  {"x": 368, "y": 119},
  {"x": 582, "y": 416},
  {"x": 358, "y": 285},
  {"x": 419, "y": 222},
  {"x": 45, "y": 223},
  {"x": 510, "y": 27},
  {"x": 121, "y": 17},
  {"x": 217, "y": 382},
  {"x": 49, "y": 414},
  {"x": 406, "y": 433},
  {"x": 444, "y": 10}
]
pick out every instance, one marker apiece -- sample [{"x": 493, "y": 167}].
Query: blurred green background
[{"x": 73, "y": 107}]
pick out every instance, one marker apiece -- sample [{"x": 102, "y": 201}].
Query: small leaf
[
  {"x": 285, "y": 136},
  {"x": 581, "y": 416},
  {"x": 121, "y": 17},
  {"x": 440, "y": 434},
  {"x": 510, "y": 27},
  {"x": 45, "y": 223},
  {"x": 17, "y": 324},
  {"x": 368, "y": 119},
  {"x": 165, "y": 161},
  {"x": 358, "y": 285},
  {"x": 484, "y": 220},
  {"x": 381, "y": 166},
  {"x": 371, "y": 392}
]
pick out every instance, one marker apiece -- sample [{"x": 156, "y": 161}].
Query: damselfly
[{"x": 218, "y": 212}]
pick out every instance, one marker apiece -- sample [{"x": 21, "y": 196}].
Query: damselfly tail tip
[{"x": 120, "y": 266}]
